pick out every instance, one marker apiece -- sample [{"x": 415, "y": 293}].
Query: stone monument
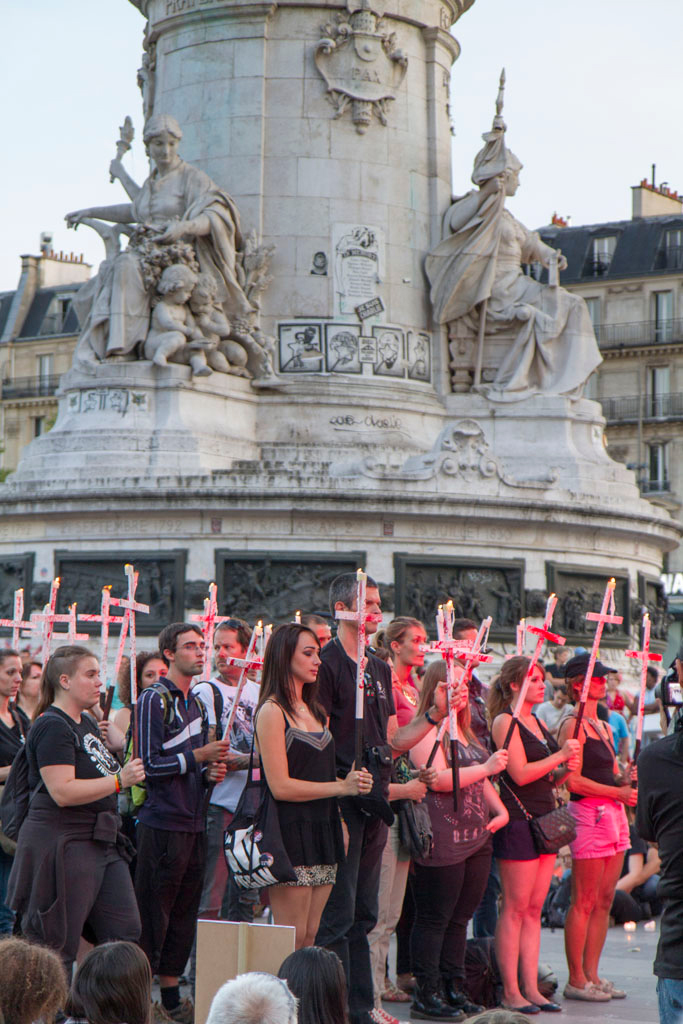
[{"x": 264, "y": 392}]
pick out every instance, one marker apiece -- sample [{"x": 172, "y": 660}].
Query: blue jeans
[
  {"x": 670, "y": 995},
  {"x": 6, "y": 915}
]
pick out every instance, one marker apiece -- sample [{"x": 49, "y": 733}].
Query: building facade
[
  {"x": 38, "y": 332},
  {"x": 631, "y": 275}
]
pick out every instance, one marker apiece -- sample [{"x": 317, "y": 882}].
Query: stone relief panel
[
  {"x": 476, "y": 587},
  {"x": 117, "y": 400},
  {"x": 361, "y": 63},
  {"x": 15, "y": 572},
  {"x": 581, "y": 589},
  {"x": 651, "y": 595},
  {"x": 264, "y": 585},
  {"x": 161, "y": 584}
]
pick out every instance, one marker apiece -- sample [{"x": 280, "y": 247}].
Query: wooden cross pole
[
  {"x": 360, "y": 617},
  {"x": 106, "y": 619},
  {"x": 130, "y": 607},
  {"x": 209, "y": 621},
  {"x": 466, "y": 653},
  {"x": 605, "y": 615},
  {"x": 249, "y": 661},
  {"x": 46, "y": 620},
  {"x": 645, "y": 655},
  {"x": 542, "y": 634},
  {"x": 16, "y": 623}
]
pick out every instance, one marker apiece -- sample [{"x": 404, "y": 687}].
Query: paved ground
[{"x": 626, "y": 960}]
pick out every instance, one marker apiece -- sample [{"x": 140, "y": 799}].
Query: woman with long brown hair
[
  {"x": 450, "y": 882},
  {"x": 535, "y": 765},
  {"x": 71, "y": 830},
  {"x": 298, "y": 760}
]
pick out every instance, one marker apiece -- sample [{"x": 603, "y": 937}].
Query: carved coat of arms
[{"x": 361, "y": 64}]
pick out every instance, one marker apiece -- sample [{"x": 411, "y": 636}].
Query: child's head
[
  {"x": 204, "y": 292},
  {"x": 176, "y": 281},
  {"x": 32, "y": 982},
  {"x": 113, "y": 983}
]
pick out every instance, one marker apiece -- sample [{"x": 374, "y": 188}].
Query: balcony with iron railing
[
  {"x": 670, "y": 257},
  {"x": 655, "y": 486},
  {"x": 643, "y": 408},
  {"x": 30, "y": 387},
  {"x": 638, "y": 333}
]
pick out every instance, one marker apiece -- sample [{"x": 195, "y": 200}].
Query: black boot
[
  {"x": 454, "y": 996},
  {"x": 428, "y": 1005}
]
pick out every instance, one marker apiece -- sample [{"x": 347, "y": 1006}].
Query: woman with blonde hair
[
  {"x": 535, "y": 765},
  {"x": 450, "y": 882}
]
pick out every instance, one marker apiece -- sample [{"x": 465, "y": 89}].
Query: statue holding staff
[{"x": 477, "y": 267}]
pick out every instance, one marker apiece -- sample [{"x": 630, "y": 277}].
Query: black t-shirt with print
[
  {"x": 12, "y": 739},
  {"x": 56, "y": 739},
  {"x": 337, "y": 694}
]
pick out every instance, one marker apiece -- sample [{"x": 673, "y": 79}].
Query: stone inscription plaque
[
  {"x": 581, "y": 589},
  {"x": 476, "y": 587},
  {"x": 272, "y": 587},
  {"x": 161, "y": 584}
]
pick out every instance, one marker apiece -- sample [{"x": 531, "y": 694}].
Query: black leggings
[{"x": 445, "y": 900}]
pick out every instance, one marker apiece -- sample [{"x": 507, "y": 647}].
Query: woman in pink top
[{"x": 400, "y": 644}]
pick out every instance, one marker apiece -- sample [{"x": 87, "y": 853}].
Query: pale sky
[{"x": 592, "y": 101}]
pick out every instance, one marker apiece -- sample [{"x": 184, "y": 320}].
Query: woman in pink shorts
[{"x": 597, "y": 803}]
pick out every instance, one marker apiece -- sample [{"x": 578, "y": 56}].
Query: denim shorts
[{"x": 601, "y": 828}]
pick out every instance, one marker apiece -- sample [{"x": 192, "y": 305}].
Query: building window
[
  {"x": 594, "y": 312},
  {"x": 55, "y": 317},
  {"x": 663, "y": 314},
  {"x": 602, "y": 251},
  {"x": 38, "y": 425},
  {"x": 673, "y": 249},
  {"x": 658, "y": 465},
  {"x": 46, "y": 366},
  {"x": 658, "y": 389}
]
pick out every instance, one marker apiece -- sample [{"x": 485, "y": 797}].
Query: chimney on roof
[
  {"x": 650, "y": 200},
  {"x": 559, "y": 222}
]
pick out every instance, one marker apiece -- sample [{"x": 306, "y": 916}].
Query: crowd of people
[{"x": 122, "y": 843}]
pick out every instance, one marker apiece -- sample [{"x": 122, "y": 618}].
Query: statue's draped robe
[
  {"x": 114, "y": 307},
  {"x": 554, "y": 349}
]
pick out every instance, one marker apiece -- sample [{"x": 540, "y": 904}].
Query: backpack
[
  {"x": 133, "y": 797},
  {"x": 556, "y": 903},
  {"x": 483, "y": 983},
  {"x": 16, "y": 794}
]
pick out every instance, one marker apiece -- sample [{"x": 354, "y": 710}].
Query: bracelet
[
  {"x": 431, "y": 720},
  {"x": 117, "y": 782}
]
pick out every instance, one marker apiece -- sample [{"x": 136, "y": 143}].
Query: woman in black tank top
[
  {"x": 598, "y": 797},
  {"x": 298, "y": 759},
  {"x": 534, "y": 764}
]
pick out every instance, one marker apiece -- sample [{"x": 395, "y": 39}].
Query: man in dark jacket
[{"x": 172, "y": 734}]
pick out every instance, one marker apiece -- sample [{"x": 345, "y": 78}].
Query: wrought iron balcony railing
[
  {"x": 642, "y": 332},
  {"x": 643, "y": 408},
  {"x": 30, "y": 387}
]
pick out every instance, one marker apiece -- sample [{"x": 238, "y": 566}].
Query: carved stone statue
[
  {"x": 180, "y": 218},
  {"x": 477, "y": 281}
]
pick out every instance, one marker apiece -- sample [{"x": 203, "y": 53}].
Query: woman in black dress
[
  {"x": 535, "y": 765},
  {"x": 13, "y": 728},
  {"x": 70, "y": 866},
  {"x": 298, "y": 759}
]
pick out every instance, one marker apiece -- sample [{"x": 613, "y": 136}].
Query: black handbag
[
  {"x": 551, "y": 831},
  {"x": 252, "y": 842},
  {"x": 414, "y": 824},
  {"x": 378, "y": 761}
]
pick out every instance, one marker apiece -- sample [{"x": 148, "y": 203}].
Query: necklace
[{"x": 409, "y": 693}]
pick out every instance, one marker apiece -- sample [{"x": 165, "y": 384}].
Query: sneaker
[
  {"x": 382, "y": 1017},
  {"x": 159, "y": 1014},
  {"x": 183, "y": 1012},
  {"x": 590, "y": 993},
  {"x": 614, "y": 993},
  {"x": 393, "y": 994}
]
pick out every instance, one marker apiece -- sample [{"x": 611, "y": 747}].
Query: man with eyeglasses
[
  {"x": 180, "y": 762},
  {"x": 231, "y": 640}
]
